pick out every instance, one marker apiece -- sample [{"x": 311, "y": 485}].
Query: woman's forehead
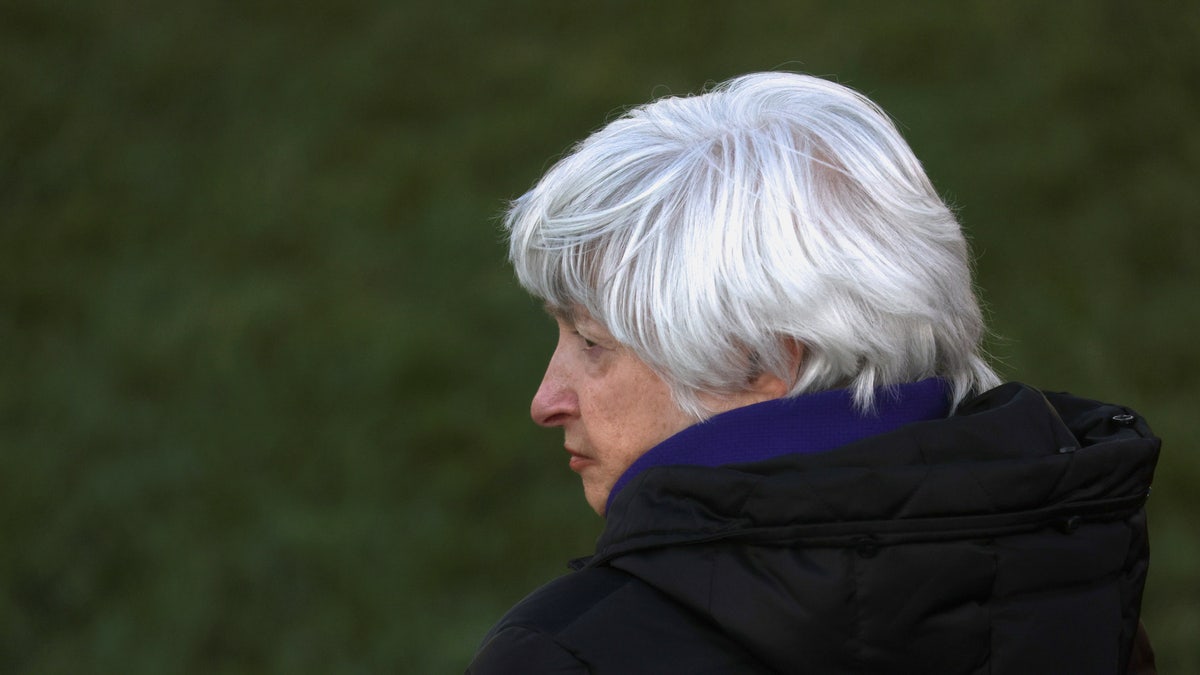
[
  {"x": 566, "y": 314},
  {"x": 573, "y": 315}
]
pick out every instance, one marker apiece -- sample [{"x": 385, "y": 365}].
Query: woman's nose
[{"x": 555, "y": 400}]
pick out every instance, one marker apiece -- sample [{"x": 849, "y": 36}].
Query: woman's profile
[{"x": 769, "y": 379}]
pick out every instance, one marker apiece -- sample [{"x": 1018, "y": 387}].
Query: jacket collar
[
  {"x": 797, "y": 425},
  {"x": 1008, "y": 454}
]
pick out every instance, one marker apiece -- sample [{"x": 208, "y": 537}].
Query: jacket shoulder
[
  {"x": 530, "y": 637},
  {"x": 603, "y": 620},
  {"x": 522, "y": 649}
]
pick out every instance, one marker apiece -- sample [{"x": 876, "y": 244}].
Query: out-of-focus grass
[{"x": 263, "y": 393}]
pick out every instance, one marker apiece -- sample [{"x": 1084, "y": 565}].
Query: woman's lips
[{"x": 579, "y": 462}]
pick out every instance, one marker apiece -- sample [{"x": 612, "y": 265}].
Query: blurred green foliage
[{"x": 265, "y": 374}]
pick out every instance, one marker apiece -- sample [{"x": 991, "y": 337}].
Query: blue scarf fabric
[{"x": 816, "y": 422}]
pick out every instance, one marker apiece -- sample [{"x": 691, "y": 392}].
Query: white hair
[{"x": 707, "y": 232}]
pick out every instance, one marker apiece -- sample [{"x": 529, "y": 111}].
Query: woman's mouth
[{"x": 580, "y": 462}]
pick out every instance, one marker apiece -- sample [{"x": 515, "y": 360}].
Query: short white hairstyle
[{"x": 707, "y": 232}]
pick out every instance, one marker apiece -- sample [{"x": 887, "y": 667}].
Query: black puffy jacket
[{"x": 1008, "y": 538}]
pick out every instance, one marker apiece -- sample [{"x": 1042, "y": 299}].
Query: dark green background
[{"x": 265, "y": 375}]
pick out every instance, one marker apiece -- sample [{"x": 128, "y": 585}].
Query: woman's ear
[
  {"x": 760, "y": 386},
  {"x": 766, "y": 386}
]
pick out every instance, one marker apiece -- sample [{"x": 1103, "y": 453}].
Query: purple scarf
[{"x": 809, "y": 423}]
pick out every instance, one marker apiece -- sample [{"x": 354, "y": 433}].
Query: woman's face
[{"x": 611, "y": 406}]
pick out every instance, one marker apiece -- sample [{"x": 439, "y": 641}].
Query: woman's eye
[{"x": 588, "y": 344}]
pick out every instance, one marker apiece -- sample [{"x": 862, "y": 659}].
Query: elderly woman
[{"x": 768, "y": 376}]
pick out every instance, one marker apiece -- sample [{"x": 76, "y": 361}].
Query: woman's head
[{"x": 719, "y": 236}]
